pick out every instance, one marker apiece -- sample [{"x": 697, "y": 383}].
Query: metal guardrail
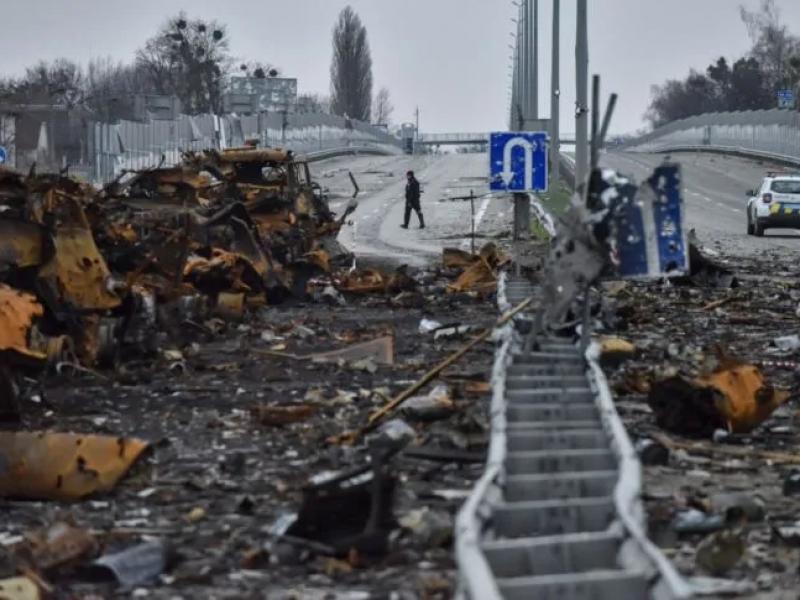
[
  {"x": 452, "y": 138},
  {"x": 558, "y": 510},
  {"x": 767, "y": 134},
  {"x": 466, "y": 138},
  {"x": 352, "y": 151},
  {"x": 727, "y": 150},
  {"x": 111, "y": 147},
  {"x": 377, "y": 150}
]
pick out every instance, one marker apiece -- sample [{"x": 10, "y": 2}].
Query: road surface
[
  {"x": 715, "y": 189},
  {"x": 376, "y": 230}
]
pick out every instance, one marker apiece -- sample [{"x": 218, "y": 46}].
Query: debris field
[
  {"x": 709, "y": 397},
  {"x": 204, "y": 395}
]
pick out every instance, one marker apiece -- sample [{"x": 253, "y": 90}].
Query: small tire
[
  {"x": 750, "y": 228},
  {"x": 758, "y": 230}
]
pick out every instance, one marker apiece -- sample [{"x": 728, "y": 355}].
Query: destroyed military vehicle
[{"x": 83, "y": 272}]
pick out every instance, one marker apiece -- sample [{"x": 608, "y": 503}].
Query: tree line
[
  {"x": 192, "y": 60},
  {"x": 749, "y": 82}
]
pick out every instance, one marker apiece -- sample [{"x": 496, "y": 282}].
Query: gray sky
[{"x": 450, "y": 57}]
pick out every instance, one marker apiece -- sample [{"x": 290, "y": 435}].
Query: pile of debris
[
  {"x": 83, "y": 271},
  {"x": 90, "y": 275},
  {"x": 709, "y": 397}
]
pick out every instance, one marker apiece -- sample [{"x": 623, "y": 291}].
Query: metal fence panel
[
  {"x": 139, "y": 145},
  {"x": 767, "y": 133}
]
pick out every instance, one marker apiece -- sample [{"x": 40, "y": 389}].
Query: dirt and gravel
[
  {"x": 218, "y": 477},
  {"x": 241, "y": 415},
  {"x": 688, "y": 488},
  {"x": 222, "y": 473}
]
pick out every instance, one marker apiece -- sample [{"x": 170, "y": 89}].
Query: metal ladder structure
[{"x": 558, "y": 513}]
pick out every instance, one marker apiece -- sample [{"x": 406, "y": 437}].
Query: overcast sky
[{"x": 449, "y": 57}]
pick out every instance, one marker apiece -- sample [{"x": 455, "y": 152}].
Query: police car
[{"x": 775, "y": 204}]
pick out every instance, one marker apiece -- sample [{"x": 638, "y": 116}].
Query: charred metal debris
[{"x": 85, "y": 271}]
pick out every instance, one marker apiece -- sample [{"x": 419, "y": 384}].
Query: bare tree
[
  {"x": 110, "y": 87},
  {"x": 775, "y": 49},
  {"x": 314, "y": 103},
  {"x": 45, "y": 82},
  {"x": 351, "y": 68},
  {"x": 189, "y": 59},
  {"x": 258, "y": 69},
  {"x": 383, "y": 108}
]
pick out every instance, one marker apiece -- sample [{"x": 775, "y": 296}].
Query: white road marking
[
  {"x": 482, "y": 210},
  {"x": 479, "y": 216}
]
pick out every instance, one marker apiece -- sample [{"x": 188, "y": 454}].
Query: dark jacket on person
[{"x": 412, "y": 192}]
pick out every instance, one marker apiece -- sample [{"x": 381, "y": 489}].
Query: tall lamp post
[
  {"x": 555, "y": 96},
  {"x": 582, "y": 95}
]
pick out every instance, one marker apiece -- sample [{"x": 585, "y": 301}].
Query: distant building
[
  {"x": 274, "y": 94},
  {"x": 408, "y": 133}
]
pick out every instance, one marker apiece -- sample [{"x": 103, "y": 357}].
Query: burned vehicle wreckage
[{"x": 87, "y": 275}]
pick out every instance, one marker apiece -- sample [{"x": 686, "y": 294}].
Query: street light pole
[
  {"x": 522, "y": 205},
  {"x": 534, "y": 29},
  {"x": 519, "y": 104},
  {"x": 514, "y": 83},
  {"x": 526, "y": 62},
  {"x": 582, "y": 96},
  {"x": 555, "y": 95}
]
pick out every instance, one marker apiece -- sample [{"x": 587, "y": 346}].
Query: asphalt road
[
  {"x": 714, "y": 188},
  {"x": 376, "y": 227}
]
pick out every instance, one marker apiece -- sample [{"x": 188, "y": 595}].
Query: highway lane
[
  {"x": 377, "y": 220},
  {"x": 715, "y": 191}
]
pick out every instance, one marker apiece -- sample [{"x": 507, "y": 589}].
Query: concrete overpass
[{"x": 467, "y": 139}]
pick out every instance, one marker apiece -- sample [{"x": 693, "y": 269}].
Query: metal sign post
[
  {"x": 786, "y": 99},
  {"x": 471, "y": 199},
  {"x": 518, "y": 164}
]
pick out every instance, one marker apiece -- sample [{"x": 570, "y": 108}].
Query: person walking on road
[{"x": 412, "y": 201}]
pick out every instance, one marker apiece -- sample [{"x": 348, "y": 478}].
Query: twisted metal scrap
[{"x": 620, "y": 229}]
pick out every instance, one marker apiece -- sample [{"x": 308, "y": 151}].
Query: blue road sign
[
  {"x": 518, "y": 161},
  {"x": 3, "y": 155},
  {"x": 651, "y": 236},
  {"x": 785, "y": 99}
]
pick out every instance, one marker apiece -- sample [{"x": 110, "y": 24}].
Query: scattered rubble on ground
[
  {"x": 708, "y": 399},
  {"x": 203, "y": 393},
  {"x": 179, "y": 351}
]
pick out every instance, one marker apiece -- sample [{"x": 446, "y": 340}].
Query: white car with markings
[{"x": 775, "y": 204}]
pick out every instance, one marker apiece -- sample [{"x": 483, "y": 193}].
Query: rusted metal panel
[
  {"x": 63, "y": 466},
  {"x": 237, "y": 229},
  {"x": 18, "y": 313},
  {"x": 78, "y": 269}
]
